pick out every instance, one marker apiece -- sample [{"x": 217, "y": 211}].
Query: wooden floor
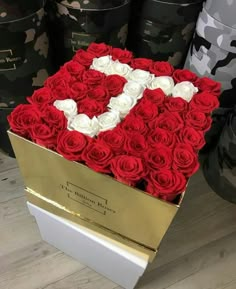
[{"x": 198, "y": 252}]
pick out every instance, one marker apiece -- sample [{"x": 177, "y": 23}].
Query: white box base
[{"x": 111, "y": 259}]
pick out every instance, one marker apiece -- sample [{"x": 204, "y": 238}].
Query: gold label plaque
[
  {"x": 87, "y": 199},
  {"x": 79, "y": 40},
  {"x": 8, "y": 61}
]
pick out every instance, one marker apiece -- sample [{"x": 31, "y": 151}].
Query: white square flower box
[{"x": 119, "y": 263}]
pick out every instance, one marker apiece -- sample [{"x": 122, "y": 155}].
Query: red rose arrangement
[{"x": 140, "y": 121}]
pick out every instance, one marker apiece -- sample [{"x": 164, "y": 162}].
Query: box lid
[
  {"x": 216, "y": 32},
  {"x": 13, "y": 10},
  {"x": 223, "y": 11},
  {"x": 93, "y": 4},
  {"x": 177, "y": 2}
]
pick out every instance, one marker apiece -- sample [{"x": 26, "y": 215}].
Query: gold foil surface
[{"x": 95, "y": 200}]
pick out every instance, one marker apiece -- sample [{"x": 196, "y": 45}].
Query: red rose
[
  {"x": 146, "y": 109},
  {"x": 83, "y": 57},
  {"x": 180, "y": 75},
  {"x": 123, "y": 55},
  {"x": 170, "y": 121},
  {"x": 99, "y": 49},
  {"x": 198, "y": 120},
  {"x": 209, "y": 85},
  {"x": 70, "y": 144},
  {"x": 114, "y": 84},
  {"x": 159, "y": 157},
  {"x": 97, "y": 156},
  {"x": 43, "y": 135},
  {"x": 113, "y": 138},
  {"x": 99, "y": 93},
  {"x": 23, "y": 117},
  {"x": 79, "y": 91},
  {"x": 135, "y": 144},
  {"x": 162, "y": 136},
  {"x": 93, "y": 77},
  {"x": 128, "y": 169},
  {"x": 156, "y": 96},
  {"x": 91, "y": 107},
  {"x": 60, "y": 84},
  {"x": 190, "y": 136},
  {"x": 185, "y": 159},
  {"x": 133, "y": 124},
  {"x": 41, "y": 97},
  {"x": 141, "y": 63},
  {"x": 205, "y": 102},
  {"x": 162, "y": 68},
  {"x": 54, "y": 118},
  {"x": 176, "y": 104},
  {"x": 166, "y": 184},
  {"x": 74, "y": 68}
]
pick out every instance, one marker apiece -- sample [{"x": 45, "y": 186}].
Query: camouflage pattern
[
  {"x": 91, "y": 4},
  {"x": 24, "y": 58},
  {"x": 165, "y": 30},
  {"x": 13, "y": 10},
  {"x": 73, "y": 29},
  {"x": 220, "y": 165},
  {"x": 213, "y": 54},
  {"x": 216, "y": 32},
  {"x": 223, "y": 11}
]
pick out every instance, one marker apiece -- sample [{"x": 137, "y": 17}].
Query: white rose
[
  {"x": 102, "y": 63},
  {"x": 122, "y": 103},
  {"x": 133, "y": 89},
  {"x": 166, "y": 83},
  {"x": 141, "y": 76},
  {"x": 68, "y": 106},
  {"x": 84, "y": 124},
  {"x": 118, "y": 68},
  {"x": 108, "y": 120},
  {"x": 185, "y": 90}
]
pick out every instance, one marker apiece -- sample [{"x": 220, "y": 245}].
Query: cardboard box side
[{"x": 97, "y": 197}]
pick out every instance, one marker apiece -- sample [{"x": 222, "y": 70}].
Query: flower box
[{"x": 111, "y": 141}]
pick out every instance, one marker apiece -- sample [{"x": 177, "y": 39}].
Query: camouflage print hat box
[
  {"x": 24, "y": 62},
  {"x": 77, "y": 23},
  {"x": 213, "y": 50},
  {"x": 24, "y": 59},
  {"x": 165, "y": 29}
]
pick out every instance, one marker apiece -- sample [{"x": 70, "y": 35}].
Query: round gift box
[
  {"x": 24, "y": 64},
  {"x": 24, "y": 58},
  {"x": 213, "y": 54},
  {"x": 163, "y": 42},
  {"x": 165, "y": 30},
  {"x": 73, "y": 29}
]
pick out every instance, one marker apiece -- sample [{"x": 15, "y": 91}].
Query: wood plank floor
[{"x": 198, "y": 252}]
